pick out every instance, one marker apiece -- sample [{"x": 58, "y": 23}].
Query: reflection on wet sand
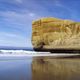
[{"x": 49, "y": 68}]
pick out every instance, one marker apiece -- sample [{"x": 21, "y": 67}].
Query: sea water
[
  {"x": 15, "y": 68},
  {"x": 39, "y": 68}
]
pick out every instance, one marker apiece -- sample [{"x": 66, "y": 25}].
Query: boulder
[{"x": 53, "y": 33}]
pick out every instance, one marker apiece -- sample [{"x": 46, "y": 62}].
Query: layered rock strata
[{"x": 53, "y": 33}]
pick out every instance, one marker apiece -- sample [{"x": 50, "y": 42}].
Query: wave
[{"x": 19, "y": 52}]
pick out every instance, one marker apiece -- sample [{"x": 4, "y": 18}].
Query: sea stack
[{"x": 52, "y": 33}]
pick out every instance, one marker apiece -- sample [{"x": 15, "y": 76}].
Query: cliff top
[{"x": 50, "y": 19}]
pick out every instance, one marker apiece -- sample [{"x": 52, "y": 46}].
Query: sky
[{"x": 16, "y": 18}]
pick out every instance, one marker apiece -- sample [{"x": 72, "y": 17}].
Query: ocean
[
  {"x": 39, "y": 68},
  {"x": 23, "y": 64}
]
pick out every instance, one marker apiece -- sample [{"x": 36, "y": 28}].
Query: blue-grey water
[
  {"x": 15, "y": 68},
  {"x": 39, "y": 68}
]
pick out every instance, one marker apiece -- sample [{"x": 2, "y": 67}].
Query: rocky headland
[{"x": 53, "y": 33}]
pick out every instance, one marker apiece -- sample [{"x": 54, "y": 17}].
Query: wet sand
[{"x": 50, "y": 68}]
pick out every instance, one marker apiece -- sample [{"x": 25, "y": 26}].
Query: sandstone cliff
[{"x": 52, "y": 33}]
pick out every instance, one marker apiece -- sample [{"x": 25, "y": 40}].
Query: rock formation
[{"x": 53, "y": 33}]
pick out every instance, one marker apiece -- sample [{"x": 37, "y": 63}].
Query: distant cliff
[{"x": 52, "y": 33}]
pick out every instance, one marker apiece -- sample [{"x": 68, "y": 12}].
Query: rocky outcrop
[{"x": 52, "y": 33}]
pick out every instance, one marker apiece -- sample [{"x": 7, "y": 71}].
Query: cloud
[
  {"x": 20, "y": 25},
  {"x": 12, "y": 39},
  {"x": 19, "y": 20},
  {"x": 28, "y": 42},
  {"x": 31, "y": 14},
  {"x": 7, "y": 34},
  {"x": 57, "y": 3},
  {"x": 19, "y": 1},
  {"x": 17, "y": 16}
]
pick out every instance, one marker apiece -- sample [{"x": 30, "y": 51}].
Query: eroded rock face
[{"x": 51, "y": 33}]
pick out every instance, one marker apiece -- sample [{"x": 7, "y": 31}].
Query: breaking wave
[{"x": 19, "y": 52}]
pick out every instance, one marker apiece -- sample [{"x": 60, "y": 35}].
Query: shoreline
[{"x": 40, "y": 55}]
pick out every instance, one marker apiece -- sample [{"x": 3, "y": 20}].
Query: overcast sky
[{"x": 16, "y": 17}]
